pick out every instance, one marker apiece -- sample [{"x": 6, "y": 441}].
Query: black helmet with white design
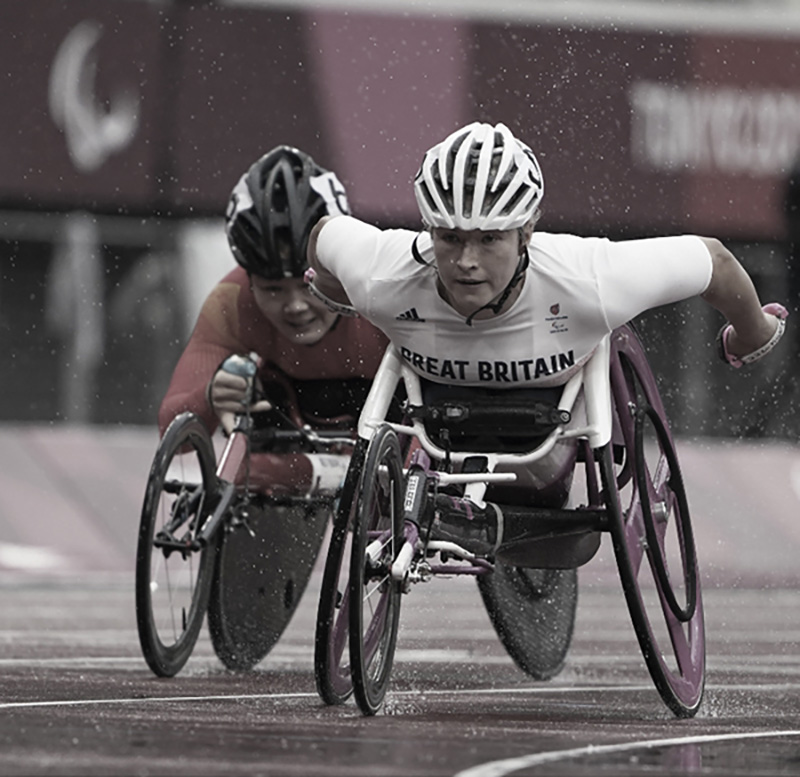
[
  {"x": 273, "y": 209},
  {"x": 480, "y": 177}
]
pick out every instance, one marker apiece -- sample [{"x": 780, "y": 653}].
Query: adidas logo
[{"x": 410, "y": 315}]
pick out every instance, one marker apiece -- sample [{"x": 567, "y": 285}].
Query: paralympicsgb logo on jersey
[{"x": 558, "y": 322}]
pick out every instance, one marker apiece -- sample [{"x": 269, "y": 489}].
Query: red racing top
[{"x": 231, "y": 322}]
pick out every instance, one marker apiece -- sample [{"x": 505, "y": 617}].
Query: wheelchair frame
[{"x": 387, "y": 504}]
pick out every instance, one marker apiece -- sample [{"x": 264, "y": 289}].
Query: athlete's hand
[{"x": 229, "y": 392}]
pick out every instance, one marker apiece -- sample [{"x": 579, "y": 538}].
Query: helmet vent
[
  {"x": 273, "y": 209},
  {"x": 480, "y": 177}
]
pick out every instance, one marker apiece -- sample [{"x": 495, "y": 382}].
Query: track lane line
[
  {"x": 549, "y": 690},
  {"x": 510, "y": 765}
]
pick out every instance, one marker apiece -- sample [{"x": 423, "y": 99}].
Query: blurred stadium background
[{"x": 127, "y": 122}]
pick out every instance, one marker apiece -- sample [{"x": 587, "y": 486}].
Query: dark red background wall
[{"x": 366, "y": 94}]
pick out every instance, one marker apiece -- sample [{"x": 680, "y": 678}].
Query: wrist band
[{"x": 774, "y": 309}]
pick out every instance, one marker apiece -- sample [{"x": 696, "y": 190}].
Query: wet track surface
[{"x": 78, "y": 699}]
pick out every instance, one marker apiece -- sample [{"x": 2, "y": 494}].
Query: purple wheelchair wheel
[
  {"x": 651, "y": 530},
  {"x": 374, "y": 596},
  {"x": 331, "y": 640}
]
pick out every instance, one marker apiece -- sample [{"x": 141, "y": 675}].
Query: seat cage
[{"x": 595, "y": 423}]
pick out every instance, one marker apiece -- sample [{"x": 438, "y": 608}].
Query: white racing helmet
[{"x": 480, "y": 177}]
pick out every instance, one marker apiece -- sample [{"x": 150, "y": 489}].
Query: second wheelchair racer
[
  {"x": 315, "y": 365},
  {"x": 481, "y": 299}
]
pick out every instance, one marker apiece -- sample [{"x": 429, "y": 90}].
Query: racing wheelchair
[
  {"x": 236, "y": 537},
  {"x": 448, "y": 457}
]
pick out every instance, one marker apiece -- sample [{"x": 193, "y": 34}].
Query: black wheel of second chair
[
  {"x": 173, "y": 574},
  {"x": 533, "y": 613},
  {"x": 265, "y": 556}
]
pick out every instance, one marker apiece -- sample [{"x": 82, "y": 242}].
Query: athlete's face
[
  {"x": 289, "y": 306},
  {"x": 475, "y": 266}
]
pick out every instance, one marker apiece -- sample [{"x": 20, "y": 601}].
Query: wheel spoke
[{"x": 635, "y": 538}]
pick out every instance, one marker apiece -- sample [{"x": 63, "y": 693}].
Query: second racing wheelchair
[{"x": 236, "y": 535}]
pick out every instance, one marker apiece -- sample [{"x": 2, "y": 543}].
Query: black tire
[
  {"x": 172, "y": 585},
  {"x": 374, "y": 596},
  {"x": 533, "y": 613},
  {"x": 331, "y": 639},
  {"x": 651, "y": 532},
  {"x": 263, "y": 564}
]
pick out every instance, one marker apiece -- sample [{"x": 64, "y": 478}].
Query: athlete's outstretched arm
[
  {"x": 324, "y": 280},
  {"x": 188, "y": 389},
  {"x": 731, "y": 291}
]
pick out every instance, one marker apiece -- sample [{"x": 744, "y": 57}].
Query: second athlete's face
[
  {"x": 292, "y": 310},
  {"x": 475, "y": 266}
]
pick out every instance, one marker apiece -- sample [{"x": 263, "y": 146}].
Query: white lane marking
[
  {"x": 29, "y": 557},
  {"x": 509, "y": 765},
  {"x": 302, "y": 695},
  {"x": 79, "y": 661},
  {"x": 420, "y": 694},
  {"x": 148, "y": 699}
]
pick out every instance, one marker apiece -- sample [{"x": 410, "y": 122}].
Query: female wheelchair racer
[
  {"x": 406, "y": 511},
  {"x": 482, "y": 300}
]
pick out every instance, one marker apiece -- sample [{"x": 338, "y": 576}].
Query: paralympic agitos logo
[{"x": 92, "y": 132}]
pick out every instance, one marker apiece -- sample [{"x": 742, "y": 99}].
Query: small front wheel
[
  {"x": 374, "y": 596},
  {"x": 173, "y": 573}
]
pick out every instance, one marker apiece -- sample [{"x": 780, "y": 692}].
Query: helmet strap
[
  {"x": 415, "y": 252},
  {"x": 519, "y": 273}
]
